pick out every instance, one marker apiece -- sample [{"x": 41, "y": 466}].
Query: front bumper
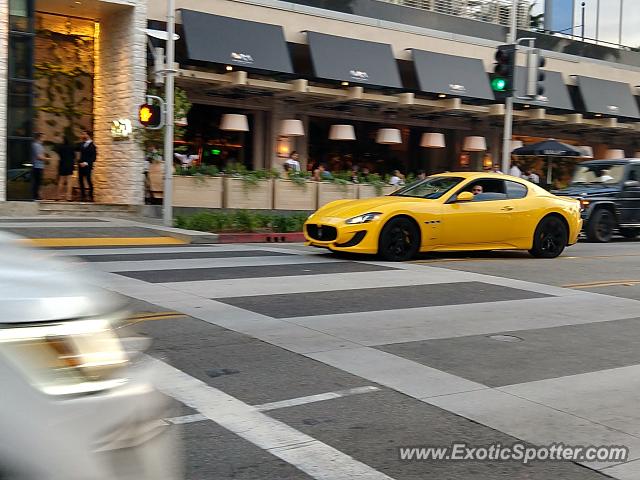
[
  {"x": 117, "y": 434},
  {"x": 339, "y": 236}
]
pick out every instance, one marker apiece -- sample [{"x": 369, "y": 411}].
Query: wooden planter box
[
  {"x": 288, "y": 195},
  {"x": 328, "y": 192},
  {"x": 203, "y": 192},
  {"x": 367, "y": 191},
  {"x": 240, "y": 194}
]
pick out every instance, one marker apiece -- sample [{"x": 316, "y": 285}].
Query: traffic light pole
[
  {"x": 167, "y": 198},
  {"x": 508, "y": 106}
]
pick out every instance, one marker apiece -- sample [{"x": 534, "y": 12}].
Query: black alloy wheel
[
  {"x": 399, "y": 240},
  {"x": 601, "y": 226},
  {"x": 550, "y": 238},
  {"x": 630, "y": 233}
]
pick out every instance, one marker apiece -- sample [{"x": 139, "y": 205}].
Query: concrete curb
[{"x": 294, "y": 237}]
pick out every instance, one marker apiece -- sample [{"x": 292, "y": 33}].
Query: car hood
[
  {"x": 350, "y": 208},
  {"x": 34, "y": 287},
  {"x": 587, "y": 190}
]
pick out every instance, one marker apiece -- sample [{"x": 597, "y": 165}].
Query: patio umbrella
[{"x": 549, "y": 149}]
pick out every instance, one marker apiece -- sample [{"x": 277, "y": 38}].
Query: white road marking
[
  {"x": 265, "y": 407},
  {"x": 304, "y": 452}
]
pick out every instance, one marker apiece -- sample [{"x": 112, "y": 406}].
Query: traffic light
[
  {"x": 150, "y": 115},
  {"x": 502, "y": 82},
  {"x": 535, "y": 75}
]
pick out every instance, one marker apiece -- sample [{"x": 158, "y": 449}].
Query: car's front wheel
[
  {"x": 399, "y": 240},
  {"x": 600, "y": 226},
  {"x": 550, "y": 238},
  {"x": 629, "y": 232}
]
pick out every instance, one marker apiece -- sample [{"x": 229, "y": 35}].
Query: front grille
[{"x": 322, "y": 233}]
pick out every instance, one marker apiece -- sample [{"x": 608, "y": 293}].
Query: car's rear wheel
[
  {"x": 601, "y": 225},
  {"x": 399, "y": 240},
  {"x": 629, "y": 232},
  {"x": 550, "y": 238}
]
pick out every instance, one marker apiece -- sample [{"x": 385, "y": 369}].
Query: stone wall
[
  {"x": 120, "y": 85},
  {"x": 4, "y": 48}
]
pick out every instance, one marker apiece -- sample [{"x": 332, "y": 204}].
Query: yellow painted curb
[{"x": 101, "y": 242}]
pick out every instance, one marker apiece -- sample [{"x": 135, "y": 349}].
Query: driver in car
[{"x": 476, "y": 189}]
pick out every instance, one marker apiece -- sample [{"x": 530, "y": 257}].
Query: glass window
[
  {"x": 430, "y": 188},
  {"x": 19, "y": 15},
  {"x": 18, "y": 169},
  {"x": 516, "y": 190},
  {"x": 598, "y": 173},
  {"x": 20, "y": 63}
]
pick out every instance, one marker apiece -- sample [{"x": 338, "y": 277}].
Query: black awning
[
  {"x": 449, "y": 74},
  {"x": 231, "y": 41},
  {"x": 556, "y": 94},
  {"x": 607, "y": 97},
  {"x": 355, "y": 61}
]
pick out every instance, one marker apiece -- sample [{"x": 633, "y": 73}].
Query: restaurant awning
[
  {"x": 607, "y": 97},
  {"x": 452, "y": 75},
  {"x": 355, "y": 61},
  {"x": 231, "y": 41},
  {"x": 556, "y": 94}
]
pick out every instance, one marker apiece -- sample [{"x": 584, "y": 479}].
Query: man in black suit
[{"x": 88, "y": 154}]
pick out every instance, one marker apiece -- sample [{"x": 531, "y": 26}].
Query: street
[{"x": 290, "y": 363}]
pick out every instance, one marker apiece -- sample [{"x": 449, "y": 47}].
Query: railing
[{"x": 491, "y": 11}]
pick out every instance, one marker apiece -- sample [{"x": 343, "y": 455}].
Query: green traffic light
[{"x": 498, "y": 84}]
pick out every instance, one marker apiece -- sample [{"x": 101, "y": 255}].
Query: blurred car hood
[
  {"x": 35, "y": 287},
  {"x": 587, "y": 190},
  {"x": 349, "y": 208}
]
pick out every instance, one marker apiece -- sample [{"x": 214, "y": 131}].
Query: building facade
[{"x": 412, "y": 66}]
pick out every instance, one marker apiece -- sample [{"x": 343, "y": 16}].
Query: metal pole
[
  {"x": 598, "y": 21},
  {"x": 620, "y": 24},
  {"x": 508, "y": 108},
  {"x": 583, "y": 19},
  {"x": 167, "y": 210}
]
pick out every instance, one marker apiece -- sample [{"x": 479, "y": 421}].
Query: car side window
[
  {"x": 484, "y": 190},
  {"x": 634, "y": 173},
  {"x": 516, "y": 190}
]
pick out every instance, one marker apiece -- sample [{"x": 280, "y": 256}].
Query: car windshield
[
  {"x": 600, "y": 173},
  {"x": 431, "y": 188}
]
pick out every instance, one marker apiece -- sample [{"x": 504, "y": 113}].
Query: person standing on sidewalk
[
  {"x": 88, "y": 154},
  {"x": 66, "y": 152},
  {"x": 38, "y": 159}
]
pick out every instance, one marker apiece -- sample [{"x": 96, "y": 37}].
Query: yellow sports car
[{"x": 446, "y": 212}]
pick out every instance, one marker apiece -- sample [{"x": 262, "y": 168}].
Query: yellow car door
[
  {"x": 524, "y": 213},
  {"x": 475, "y": 224}
]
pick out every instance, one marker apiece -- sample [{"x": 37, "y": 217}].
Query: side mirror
[
  {"x": 631, "y": 184},
  {"x": 465, "y": 197}
]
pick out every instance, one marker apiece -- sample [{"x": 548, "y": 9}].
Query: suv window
[
  {"x": 634, "y": 173},
  {"x": 516, "y": 190}
]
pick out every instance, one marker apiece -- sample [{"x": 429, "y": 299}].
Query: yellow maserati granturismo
[{"x": 447, "y": 212}]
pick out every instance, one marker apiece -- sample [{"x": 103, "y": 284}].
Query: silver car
[{"x": 77, "y": 397}]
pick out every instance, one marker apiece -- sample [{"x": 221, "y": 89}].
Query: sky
[{"x": 609, "y": 20}]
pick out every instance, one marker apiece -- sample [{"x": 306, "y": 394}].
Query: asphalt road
[{"x": 322, "y": 367}]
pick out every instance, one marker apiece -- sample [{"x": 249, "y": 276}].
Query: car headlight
[
  {"x": 584, "y": 204},
  {"x": 364, "y": 218},
  {"x": 67, "y": 358}
]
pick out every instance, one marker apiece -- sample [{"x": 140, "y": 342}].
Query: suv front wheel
[{"x": 601, "y": 226}]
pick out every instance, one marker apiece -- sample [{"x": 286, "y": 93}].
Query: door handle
[{"x": 507, "y": 208}]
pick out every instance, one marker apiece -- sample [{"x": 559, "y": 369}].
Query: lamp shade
[
  {"x": 342, "y": 132},
  {"x": 614, "y": 153},
  {"x": 388, "y": 136},
  {"x": 474, "y": 144},
  {"x": 234, "y": 122},
  {"x": 292, "y": 128},
  {"x": 587, "y": 151},
  {"x": 516, "y": 144},
  {"x": 432, "y": 140}
]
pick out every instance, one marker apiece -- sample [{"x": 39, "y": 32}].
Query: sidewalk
[{"x": 50, "y": 231}]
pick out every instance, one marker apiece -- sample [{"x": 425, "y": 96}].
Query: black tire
[
  {"x": 601, "y": 226},
  {"x": 399, "y": 240},
  {"x": 550, "y": 238},
  {"x": 630, "y": 233}
]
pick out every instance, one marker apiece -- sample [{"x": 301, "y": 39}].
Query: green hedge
[{"x": 241, "y": 221}]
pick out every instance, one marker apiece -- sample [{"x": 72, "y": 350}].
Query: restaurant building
[{"x": 382, "y": 84}]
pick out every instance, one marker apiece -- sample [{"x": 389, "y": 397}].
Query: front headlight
[
  {"x": 67, "y": 358},
  {"x": 364, "y": 218}
]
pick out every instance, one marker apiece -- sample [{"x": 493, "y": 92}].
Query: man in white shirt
[
  {"x": 293, "y": 161},
  {"x": 531, "y": 176},
  {"x": 515, "y": 171}
]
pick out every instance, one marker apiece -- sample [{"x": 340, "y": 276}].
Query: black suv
[{"x": 609, "y": 192}]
